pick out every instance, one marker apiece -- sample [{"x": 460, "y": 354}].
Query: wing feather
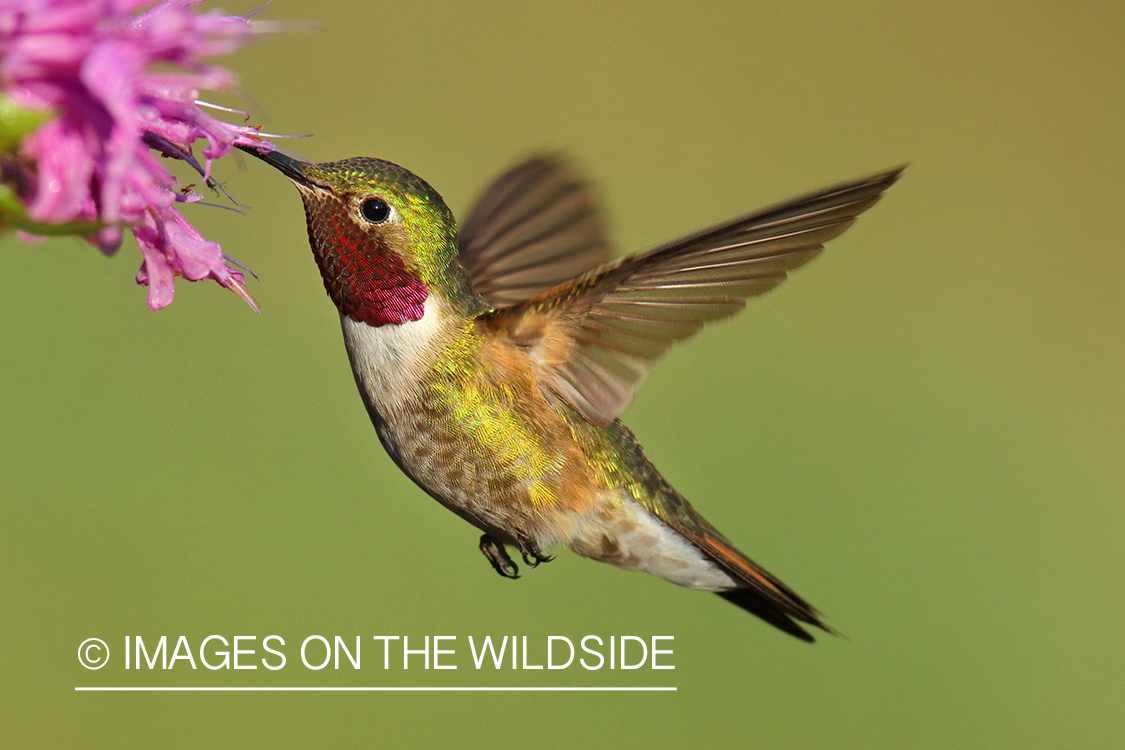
[
  {"x": 614, "y": 322},
  {"x": 536, "y": 227}
]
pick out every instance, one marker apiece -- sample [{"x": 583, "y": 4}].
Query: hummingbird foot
[
  {"x": 531, "y": 553},
  {"x": 496, "y": 554},
  {"x": 534, "y": 558}
]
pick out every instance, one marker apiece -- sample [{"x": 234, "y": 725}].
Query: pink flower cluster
[{"x": 123, "y": 91}]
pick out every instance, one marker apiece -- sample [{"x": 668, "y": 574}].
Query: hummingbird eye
[{"x": 375, "y": 210}]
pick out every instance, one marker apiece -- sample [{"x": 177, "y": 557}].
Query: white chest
[{"x": 389, "y": 361}]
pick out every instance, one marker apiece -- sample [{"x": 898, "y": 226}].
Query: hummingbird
[{"x": 495, "y": 358}]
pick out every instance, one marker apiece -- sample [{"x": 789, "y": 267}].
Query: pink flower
[{"x": 97, "y": 159}]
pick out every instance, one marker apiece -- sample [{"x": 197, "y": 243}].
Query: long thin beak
[{"x": 287, "y": 165}]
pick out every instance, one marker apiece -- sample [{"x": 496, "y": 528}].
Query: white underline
[{"x": 310, "y": 689}]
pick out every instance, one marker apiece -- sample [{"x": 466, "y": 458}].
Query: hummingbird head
[{"x": 383, "y": 238}]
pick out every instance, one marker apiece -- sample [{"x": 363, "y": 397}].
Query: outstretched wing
[
  {"x": 537, "y": 226},
  {"x": 595, "y": 337}
]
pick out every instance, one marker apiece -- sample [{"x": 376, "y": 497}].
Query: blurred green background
[{"x": 921, "y": 432}]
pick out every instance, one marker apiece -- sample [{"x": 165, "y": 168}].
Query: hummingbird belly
[
  {"x": 465, "y": 419},
  {"x": 471, "y": 428}
]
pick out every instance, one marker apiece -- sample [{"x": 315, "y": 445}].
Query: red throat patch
[{"x": 366, "y": 278}]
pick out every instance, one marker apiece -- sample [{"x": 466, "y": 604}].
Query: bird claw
[
  {"x": 531, "y": 553},
  {"x": 495, "y": 553},
  {"x": 534, "y": 558}
]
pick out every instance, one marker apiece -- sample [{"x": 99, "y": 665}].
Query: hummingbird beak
[{"x": 287, "y": 165}]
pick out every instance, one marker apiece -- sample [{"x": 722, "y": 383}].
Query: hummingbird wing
[
  {"x": 595, "y": 337},
  {"x": 536, "y": 226}
]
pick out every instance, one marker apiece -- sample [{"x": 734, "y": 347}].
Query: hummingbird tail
[
  {"x": 759, "y": 606},
  {"x": 761, "y": 593}
]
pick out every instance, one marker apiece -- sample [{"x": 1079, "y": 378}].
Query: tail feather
[
  {"x": 763, "y": 594},
  {"x": 755, "y": 589},
  {"x": 753, "y": 602}
]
